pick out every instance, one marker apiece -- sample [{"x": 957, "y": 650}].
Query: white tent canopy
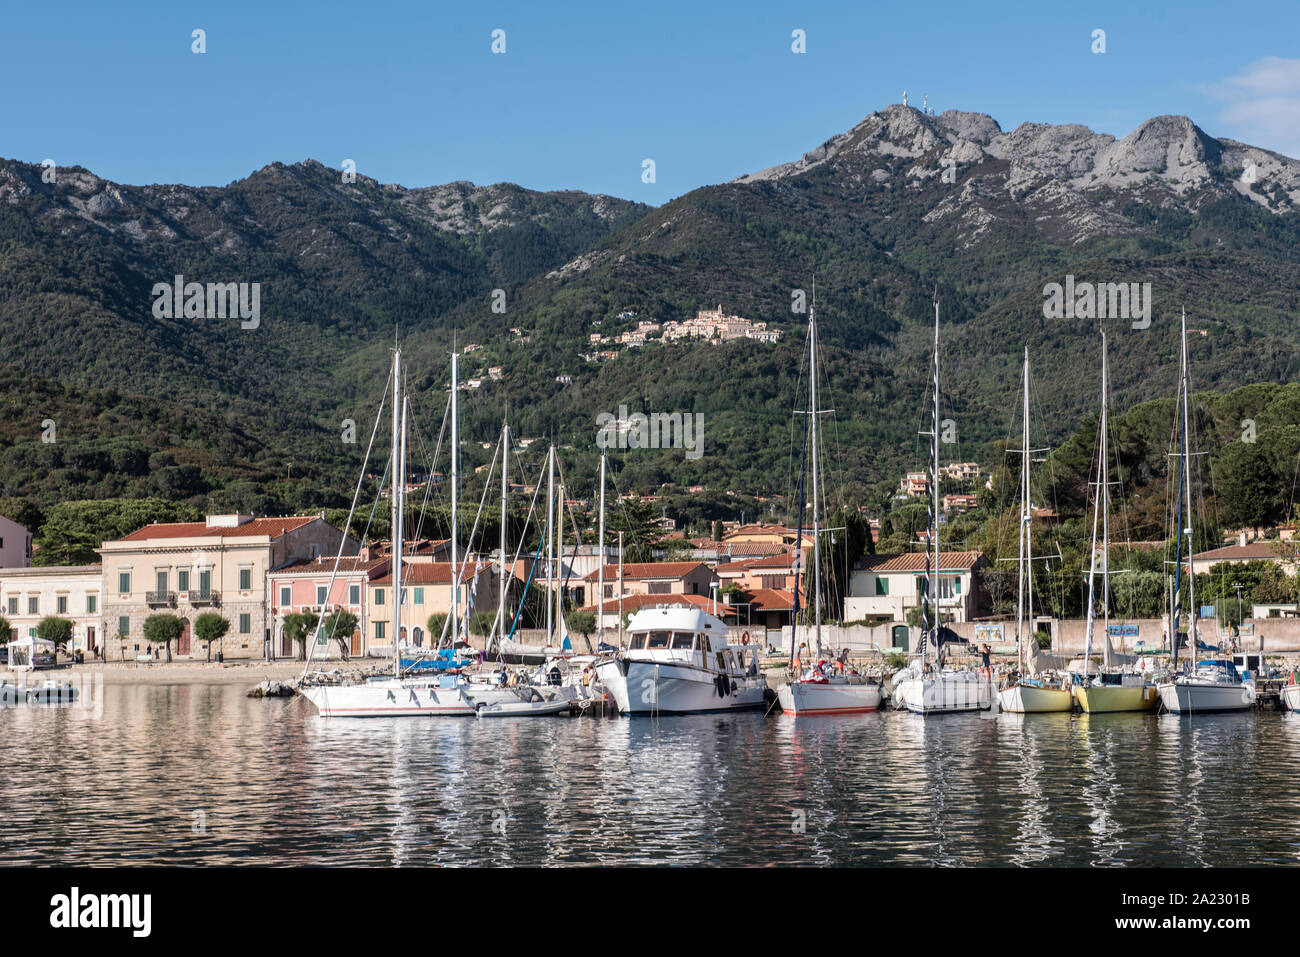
[{"x": 24, "y": 651}]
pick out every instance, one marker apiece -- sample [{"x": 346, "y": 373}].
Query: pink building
[{"x": 305, "y": 586}]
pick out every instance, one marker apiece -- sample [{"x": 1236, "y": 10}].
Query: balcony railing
[
  {"x": 160, "y": 598},
  {"x": 204, "y": 597}
]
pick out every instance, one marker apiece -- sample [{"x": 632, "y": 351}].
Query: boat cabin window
[
  {"x": 658, "y": 639},
  {"x": 637, "y": 642},
  {"x": 683, "y": 639}
]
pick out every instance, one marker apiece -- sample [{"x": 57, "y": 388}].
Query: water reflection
[{"x": 191, "y": 774}]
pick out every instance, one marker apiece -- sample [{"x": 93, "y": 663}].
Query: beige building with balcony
[{"x": 188, "y": 568}]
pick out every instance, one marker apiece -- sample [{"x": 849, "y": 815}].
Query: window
[
  {"x": 379, "y": 600},
  {"x": 245, "y": 623},
  {"x": 124, "y": 625},
  {"x": 773, "y": 581},
  {"x": 354, "y": 594},
  {"x": 162, "y": 580},
  {"x": 609, "y": 591},
  {"x": 33, "y": 605},
  {"x": 205, "y": 582},
  {"x": 637, "y": 642},
  {"x": 658, "y": 639},
  {"x": 13, "y": 604},
  {"x": 882, "y": 585},
  {"x": 682, "y": 639},
  {"x": 419, "y": 596},
  {"x": 379, "y": 629},
  {"x": 245, "y": 579},
  {"x": 124, "y": 582},
  {"x": 286, "y": 594},
  {"x": 61, "y": 605},
  {"x": 320, "y": 593},
  {"x": 92, "y": 604},
  {"x": 182, "y": 579},
  {"x": 661, "y": 588}
]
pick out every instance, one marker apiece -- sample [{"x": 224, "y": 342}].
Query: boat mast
[
  {"x": 1105, "y": 501},
  {"x": 505, "y": 491},
  {"x": 1096, "y": 516},
  {"x": 550, "y": 542},
  {"x": 812, "y": 402},
  {"x": 1029, "y": 524},
  {"x": 620, "y": 591},
  {"x": 600, "y": 547},
  {"x": 1024, "y": 516},
  {"x": 559, "y": 551},
  {"x": 1187, "y": 478},
  {"x": 455, "y": 481},
  {"x": 932, "y": 580},
  {"x": 397, "y": 507}
]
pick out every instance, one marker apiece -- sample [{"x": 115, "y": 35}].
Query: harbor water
[{"x": 200, "y": 774}]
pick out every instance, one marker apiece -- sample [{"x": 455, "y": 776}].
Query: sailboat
[
  {"x": 558, "y": 641},
  {"x": 396, "y": 696},
  {"x": 1213, "y": 684},
  {"x": 1029, "y": 695},
  {"x": 819, "y": 690},
  {"x": 1108, "y": 690},
  {"x": 923, "y": 689}
]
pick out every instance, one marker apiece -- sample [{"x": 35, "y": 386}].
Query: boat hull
[
  {"x": 1193, "y": 697},
  {"x": 389, "y": 699},
  {"x": 1028, "y": 699},
  {"x": 1105, "y": 699},
  {"x": 650, "y": 687},
  {"x": 807, "y": 698},
  {"x": 947, "y": 693},
  {"x": 526, "y": 709},
  {"x": 1291, "y": 697}
]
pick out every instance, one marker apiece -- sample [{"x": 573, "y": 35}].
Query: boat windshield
[
  {"x": 658, "y": 639},
  {"x": 683, "y": 640},
  {"x": 636, "y": 642}
]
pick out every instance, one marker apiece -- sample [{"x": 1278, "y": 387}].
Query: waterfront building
[
  {"x": 304, "y": 586},
  {"x": 29, "y": 594},
  {"x": 889, "y": 586},
  {"x": 221, "y": 564},
  {"x": 655, "y": 578},
  {"x": 427, "y": 590},
  {"x": 1254, "y": 552}
]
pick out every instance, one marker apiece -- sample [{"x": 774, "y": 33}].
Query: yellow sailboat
[{"x": 1107, "y": 691}]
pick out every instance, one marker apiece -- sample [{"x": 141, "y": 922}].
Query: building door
[
  {"x": 286, "y": 644},
  {"x": 183, "y": 645},
  {"x": 356, "y": 643}
]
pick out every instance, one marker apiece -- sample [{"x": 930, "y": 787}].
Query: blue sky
[{"x": 586, "y": 91}]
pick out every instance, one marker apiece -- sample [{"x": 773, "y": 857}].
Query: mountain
[
  {"x": 880, "y": 217},
  {"x": 340, "y": 265}
]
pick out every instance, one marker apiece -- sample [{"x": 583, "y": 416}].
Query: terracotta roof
[
  {"x": 772, "y": 599},
  {"x": 639, "y": 571},
  {"x": 730, "y": 568},
  {"x": 915, "y": 561},
  {"x": 431, "y": 573},
  {"x": 637, "y": 602},
  {"x": 784, "y": 560},
  {"x": 326, "y": 566},
  {"x": 1255, "y": 550},
  {"x": 274, "y": 527}
]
